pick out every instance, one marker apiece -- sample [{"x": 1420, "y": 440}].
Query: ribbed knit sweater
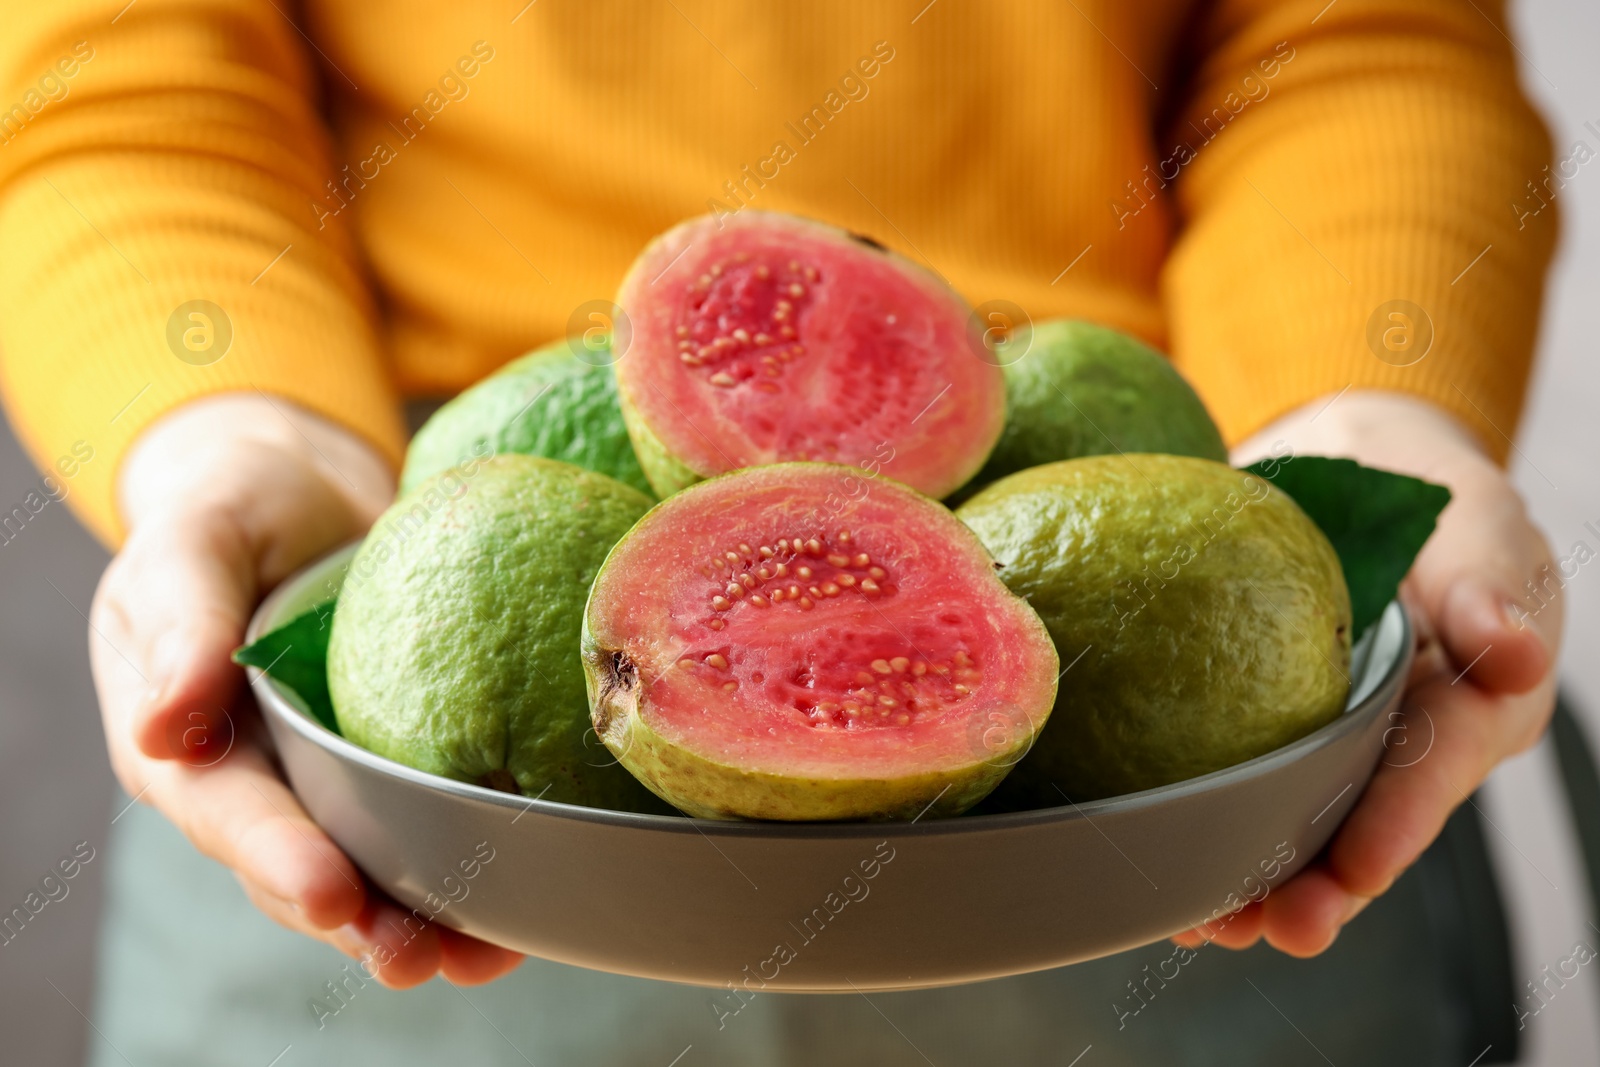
[{"x": 390, "y": 199}]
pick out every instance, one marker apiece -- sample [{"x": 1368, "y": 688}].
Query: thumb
[
  {"x": 1473, "y": 579},
  {"x": 189, "y": 583},
  {"x": 224, "y": 497},
  {"x": 184, "y": 586}
]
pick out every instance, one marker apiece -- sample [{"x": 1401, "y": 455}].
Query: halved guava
[
  {"x": 763, "y": 338},
  {"x": 798, "y": 642}
]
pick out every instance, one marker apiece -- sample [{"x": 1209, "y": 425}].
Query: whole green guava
[
  {"x": 549, "y": 403},
  {"x": 1081, "y": 389},
  {"x": 454, "y": 647},
  {"x": 1202, "y": 619}
]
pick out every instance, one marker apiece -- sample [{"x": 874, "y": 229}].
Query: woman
[{"x": 232, "y": 242}]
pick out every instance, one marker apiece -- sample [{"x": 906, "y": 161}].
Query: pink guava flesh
[
  {"x": 763, "y": 338},
  {"x": 774, "y": 623}
]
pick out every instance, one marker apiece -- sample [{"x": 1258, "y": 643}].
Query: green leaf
[
  {"x": 296, "y": 656},
  {"x": 1377, "y": 520}
]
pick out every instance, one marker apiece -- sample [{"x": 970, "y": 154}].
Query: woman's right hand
[{"x": 224, "y": 498}]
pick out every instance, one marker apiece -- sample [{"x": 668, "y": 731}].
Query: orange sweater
[{"x": 396, "y": 198}]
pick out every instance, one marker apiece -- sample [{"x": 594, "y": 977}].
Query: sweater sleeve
[
  {"x": 1366, "y": 202},
  {"x": 158, "y": 243}
]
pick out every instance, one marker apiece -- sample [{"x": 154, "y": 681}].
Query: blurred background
[{"x": 56, "y": 790}]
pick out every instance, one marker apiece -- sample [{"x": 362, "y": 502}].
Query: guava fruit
[
  {"x": 1082, "y": 389},
  {"x": 796, "y": 642},
  {"x": 762, "y": 338},
  {"x": 1202, "y": 618},
  {"x": 548, "y": 403},
  {"x": 454, "y": 647}
]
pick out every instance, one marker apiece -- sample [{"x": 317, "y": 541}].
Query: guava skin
[
  {"x": 455, "y": 643},
  {"x": 1088, "y": 390},
  {"x": 548, "y": 403},
  {"x": 663, "y": 472},
  {"x": 1202, "y": 618}
]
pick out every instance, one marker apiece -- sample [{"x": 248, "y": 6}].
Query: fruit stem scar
[
  {"x": 618, "y": 674},
  {"x": 623, "y": 670}
]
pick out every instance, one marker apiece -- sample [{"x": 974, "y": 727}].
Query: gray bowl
[{"x": 837, "y": 906}]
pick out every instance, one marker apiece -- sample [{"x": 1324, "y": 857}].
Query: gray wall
[
  {"x": 55, "y": 781},
  {"x": 1558, "y": 475}
]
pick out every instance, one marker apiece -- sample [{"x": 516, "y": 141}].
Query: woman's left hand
[{"x": 1484, "y": 684}]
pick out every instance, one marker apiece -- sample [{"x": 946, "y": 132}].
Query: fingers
[
  {"x": 1460, "y": 733},
  {"x": 400, "y": 950},
  {"x": 217, "y": 519},
  {"x": 175, "y": 603},
  {"x": 174, "y": 607},
  {"x": 1455, "y": 735},
  {"x": 467, "y": 961},
  {"x": 220, "y": 789},
  {"x": 396, "y": 948},
  {"x": 242, "y": 815},
  {"x": 390, "y": 943},
  {"x": 1481, "y": 632},
  {"x": 1473, "y": 578},
  {"x": 1238, "y": 930},
  {"x": 285, "y": 914},
  {"x": 1303, "y": 916},
  {"x": 224, "y": 498}
]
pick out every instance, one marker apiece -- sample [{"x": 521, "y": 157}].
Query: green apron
[{"x": 191, "y": 974}]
